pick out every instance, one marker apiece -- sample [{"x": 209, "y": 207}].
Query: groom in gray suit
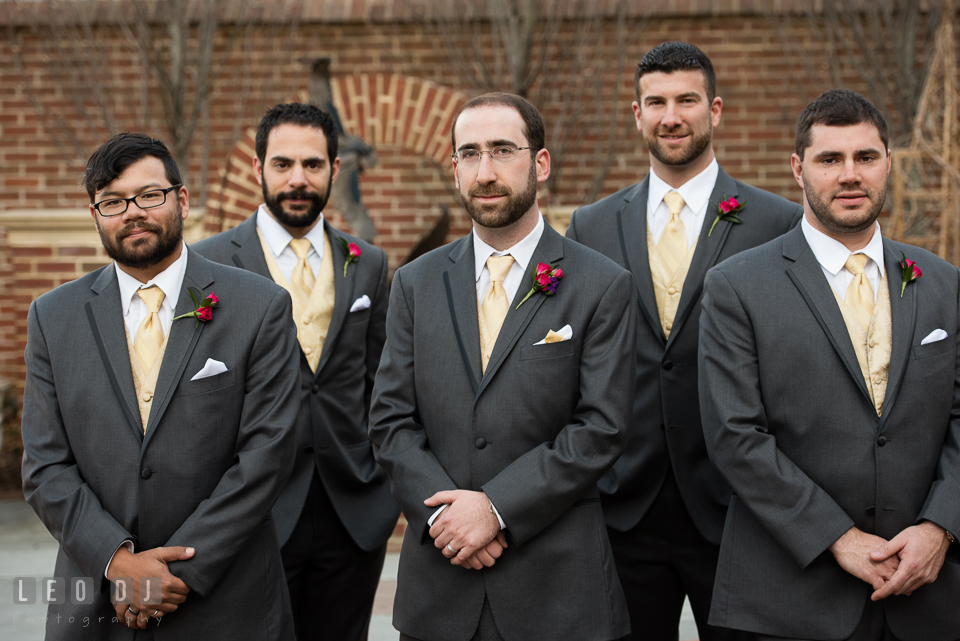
[
  {"x": 664, "y": 501},
  {"x": 830, "y": 388},
  {"x": 159, "y": 419},
  {"x": 502, "y": 397}
]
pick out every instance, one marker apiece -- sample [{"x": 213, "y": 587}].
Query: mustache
[
  {"x": 482, "y": 191},
  {"x": 300, "y": 194},
  {"x": 129, "y": 229}
]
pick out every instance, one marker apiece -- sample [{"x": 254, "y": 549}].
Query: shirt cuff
[
  {"x": 433, "y": 517},
  {"x": 126, "y": 544},
  {"x": 503, "y": 526}
]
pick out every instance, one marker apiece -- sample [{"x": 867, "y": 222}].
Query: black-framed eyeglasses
[
  {"x": 145, "y": 200},
  {"x": 504, "y": 153}
]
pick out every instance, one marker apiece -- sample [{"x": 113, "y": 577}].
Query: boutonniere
[
  {"x": 727, "y": 210},
  {"x": 204, "y": 310},
  {"x": 909, "y": 272},
  {"x": 352, "y": 251},
  {"x": 545, "y": 279}
]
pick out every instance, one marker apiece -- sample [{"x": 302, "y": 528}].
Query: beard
[
  {"x": 820, "y": 206},
  {"x": 148, "y": 251},
  {"x": 696, "y": 145},
  {"x": 307, "y": 215},
  {"x": 505, "y": 213}
]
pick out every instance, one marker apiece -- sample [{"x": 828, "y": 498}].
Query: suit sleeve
[
  {"x": 797, "y": 512},
  {"x": 52, "y": 484},
  {"x": 572, "y": 226},
  {"x": 538, "y": 487},
  {"x": 376, "y": 331},
  {"x": 399, "y": 440},
  {"x": 265, "y": 449}
]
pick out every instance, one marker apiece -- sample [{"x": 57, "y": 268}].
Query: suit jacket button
[
  {"x": 481, "y": 443},
  {"x": 146, "y": 396},
  {"x": 668, "y": 365},
  {"x": 871, "y": 510},
  {"x": 882, "y": 441},
  {"x": 145, "y": 473},
  {"x": 315, "y": 389}
]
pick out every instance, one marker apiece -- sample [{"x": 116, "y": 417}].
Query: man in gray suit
[
  {"x": 664, "y": 501},
  {"x": 335, "y": 515},
  {"x": 502, "y": 397},
  {"x": 829, "y": 387},
  {"x": 159, "y": 422}
]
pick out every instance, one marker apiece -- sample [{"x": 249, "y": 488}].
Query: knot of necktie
[
  {"x": 300, "y": 247},
  {"x": 674, "y": 202},
  {"x": 498, "y": 267},
  {"x": 152, "y": 297}
]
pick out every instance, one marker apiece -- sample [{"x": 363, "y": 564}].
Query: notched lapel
[
  {"x": 903, "y": 313},
  {"x": 249, "y": 253},
  {"x": 807, "y": 274},
  {"x": 632, "y": 226},
  {"x": 343, "y": 294},
  {"x": 105, "y": 315},
  {"x": 460, "y": 283}
]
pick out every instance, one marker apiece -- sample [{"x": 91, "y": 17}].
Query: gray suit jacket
[
  {"x": 334, "y": 401},
  {"x": 665, "y": 429},
  {"x": 213, "y": 461},
  {"x": 535, "y": 433},
  {"x": 790, "y": 425}
]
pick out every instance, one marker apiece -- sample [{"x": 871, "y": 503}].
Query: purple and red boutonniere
[
  {"x": 353, "y": 254},
  {"x": 545, "y": 279},
  {"x": 204, "y": 310},
  {"x": 909, "y": 272},
  {"x": 727, "y": 210}
]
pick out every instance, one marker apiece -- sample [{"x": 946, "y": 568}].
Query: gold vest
[
  {"x": 666, "y": 286},
  {"x": 313, "y": 323},
  {"x": 145, "y": 383},
  {"x": 873, "y": 345}
]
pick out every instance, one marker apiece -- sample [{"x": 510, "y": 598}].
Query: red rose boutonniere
[
  {"x": 727, "y": 210},
  {"x": 204, "y": 310},
  {"x": 353, "y": 254},
  {"x": 545, "y": 279},
  {"x": 909, "y": 272}
]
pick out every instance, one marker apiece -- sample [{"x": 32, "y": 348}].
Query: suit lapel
[
  {"x": 460, "y": 283},
  {"x": 549, "y": 250},
  {"x": 343, "y": 293},
  {"x": 807, "y": 274},
  {"x": 249, "y": 253},
  {"x": 707, "y": 251},
  {"x": 632, "y": 226},
  {"x": 105, "y": 315},
  {"x": 903, "y": 312},
  {"x": 184, "y": 334}
]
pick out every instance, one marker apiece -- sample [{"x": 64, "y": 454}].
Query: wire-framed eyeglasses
[
  {"x": 146, "y": 200},
  {"x": 504, "y": 153}
]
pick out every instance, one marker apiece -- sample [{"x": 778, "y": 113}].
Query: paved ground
[{"x": 28, "y": 550}]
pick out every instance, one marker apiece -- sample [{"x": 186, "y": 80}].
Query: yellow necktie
[
  {"x": 302, "y": 280},
  {"x": 673, "y": 240},
  {"x": 860, "y": 298},
  {"x": 149, "y": 338},
  {"x": 495, "y": 304}
]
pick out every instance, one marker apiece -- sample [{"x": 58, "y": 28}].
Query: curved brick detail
[{"x": 383, "y": 109}]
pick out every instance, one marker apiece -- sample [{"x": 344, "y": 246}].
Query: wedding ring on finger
[
  {"x": 451, "y": 549},
  {"x": 156, "y": 614}
]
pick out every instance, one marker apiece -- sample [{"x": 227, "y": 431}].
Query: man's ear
[{"x": 258, "y": 170}]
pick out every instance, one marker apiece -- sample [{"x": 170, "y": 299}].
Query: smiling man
[
  {"x": 335, "y": 515},
  {"x": 155, "y": 444},
  {"x": 497, "y": 406},
  {"x": 829, "y": 387},
  {"x": 664, "y": 502}
]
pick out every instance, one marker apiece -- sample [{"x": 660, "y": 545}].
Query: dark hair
[
  {"x": 296, "y": 113},
  {"x": 838, "y": 108},
  {"x": 532, "y": 122},
  {"x": 114, "y": 156},
  {"x": 673, "y": 56}
]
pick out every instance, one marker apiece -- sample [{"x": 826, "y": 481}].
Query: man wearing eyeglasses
[
  {"x": 501, "y": 398},
  {"x": 159, "y": 423}
]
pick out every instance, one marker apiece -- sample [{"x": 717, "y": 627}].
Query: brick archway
[{"x": 383, "y": 109}]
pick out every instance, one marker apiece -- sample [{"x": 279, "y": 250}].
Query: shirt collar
[
  {"x": 832, "y": 254},
  {"x": 695, "y": 192},
  {"x": 277, "y": 238},
  {"x": 170, "y": 281},
  {"x": 522, "y": 252}
]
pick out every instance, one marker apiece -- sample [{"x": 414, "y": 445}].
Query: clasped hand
[
  {"x": 149, "y": 564},
  {"x": 468, "y": 527}
]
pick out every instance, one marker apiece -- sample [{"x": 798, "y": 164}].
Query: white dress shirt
[
  {"x": 278, "y": 240},
  {"x": 832, "y": 256},
  {"x": 522, "y": 252},
  {"x": 170, "y": 281},
  {"x": 696, "y": 197}
]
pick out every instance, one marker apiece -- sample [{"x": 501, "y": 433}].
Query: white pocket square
[
  {"x": 564, "y": 334},
  {"x": 361, "y": 303},
  {"x": 934, "y": 336},
  {"x": 211, "y": 368}
]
